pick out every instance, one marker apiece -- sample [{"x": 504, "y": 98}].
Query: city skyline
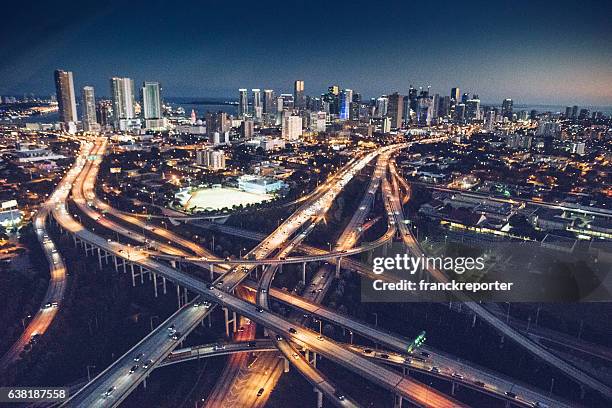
[{"x": 508, "y": 54}]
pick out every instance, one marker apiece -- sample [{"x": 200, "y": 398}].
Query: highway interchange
[{"x": 116, "y": 382}]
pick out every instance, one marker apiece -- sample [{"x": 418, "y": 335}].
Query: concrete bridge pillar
[
  {"x": 178, "y": 295},
  {"x": 229, "y": 321},
  {"x": 397, "y": 401},
  {"x": 133, "y": 275},
  {"x": 141, "y": 275},
  {"x": 319, "y": 398},
  {"x": 155, "y": 283},
  {"x": 286, "y": 365},
  {"x": 116, "y": 263},
  {"x": 304, "y": 273},
  {"x": 453, "y": 386},
  {"x": 212, "y": 272},
  {"x": 164, "y": 283},
  {"x": 100, "y": 258},
  {"x": 338, "y": 266}
]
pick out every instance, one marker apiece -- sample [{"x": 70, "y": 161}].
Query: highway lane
[
  {"x": 448, "y": 365},
  {"x": 114, "y": 384},
  {"x": 408, "y": 388},
  {"x": 52, "y": 301},
  {"x": 536, "y": 349},
  {"x": 220, "y": 393}
]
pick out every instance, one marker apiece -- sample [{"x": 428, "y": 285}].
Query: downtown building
[
  {"x": 152, "y": 106},
  {"x": 212, "y": 159},
  {"x": 90, "y": 122},
  {"x": 122, "y": 92},
  {"x": 66, "y": 100}
]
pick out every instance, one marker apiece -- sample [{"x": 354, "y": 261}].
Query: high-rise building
[
  {"x": 243, "y": 102},
  {"x": 332, "y": 97},
  {"x": 472, "y": 109},
  {"x": 257, "y": 107},
  {"x": 90, "y": 124},
  {"x": 490, "y": 120},
  {"x": 104, "y": 113},
  {"x": 247, "y": 129},
  {"x": 346, "y": 97},
  {"x": 568, "y": 112},
  {"x": 122, "y": 91},
  {"x": 382, "y": 106},
  {"x": 291, "y": 127},
  {"x": 288, "y": 102},
  {"x": 317, "y": 121},
  {"x": 444, "y": 107},
  {"x": 574, "y": 112},
  {"x": 213, "y": 159},
  {"x": 66, "y": 100},
  {"x": 386, "y": 124},
  {"x": 395, "y": 109},
  {"x": 268, "y": 102},
  {"x": 507, "y": 108},
  {"x": 151, "y": 100},
  {"x": 455, "y": 95},
  {"x": 217, "y": 122},
  {"x": 412, "y": 101},
  {"x": 424, "y": 111},
  {"x": 298, "y": 94}
]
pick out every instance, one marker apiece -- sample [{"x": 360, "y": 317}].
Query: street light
[{"x": 88, "y": 373}]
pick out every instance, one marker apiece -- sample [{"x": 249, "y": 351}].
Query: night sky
[{"x": 557, "y": 52}]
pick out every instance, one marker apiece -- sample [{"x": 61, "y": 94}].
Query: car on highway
[
  {"x": 479, "y": 383},
  {"x": 279, "y": 337},
  {"x": 511, "y": 394},
  {"x": 176, "y": 335},
  {"x": 252, "y": 344},
  {"x": 147, "y": 364},
  {"x": 457, "y": 375},
  {"x": 434, "y": 369},
  {"x": 367, "y": 351},
  {"x": 384, "y": 356},
  {"x": 292, "y": 330},
  {"x": 109, "y": 392},
  {"x": 172, "y": 328},
  {"x": 218, "y": 347},
  {"x": 296, "y": 356},
  {"x": 259, "y": 309},
  {"x": 260, "y": 392},
  {"x": 134, "y": 368},
  {"x": 339, "y": 395},
  {"x": 138, "y": 356}
]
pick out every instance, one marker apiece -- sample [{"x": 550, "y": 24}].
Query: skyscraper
[
  {"x": 268, "y": 101},
  {"x": 332, "y": 97},
  {"x": 257, "y": 108},
  {"x": 66, "y": 100},
  {"x": 298, "y": 94},
  {"x": 151, "y": 100},
  {"x": 472, "y": 109},
  {"x": 507, "y": 108},
  {"x": 455, "y": 95},
  {"x": 122, "y": 91},
  {"x": 346, "y": 97},
  {"x": 243, "y": 102},
  {"x": 395, "y": 109},
  {"x": 89, "y": 110}
]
